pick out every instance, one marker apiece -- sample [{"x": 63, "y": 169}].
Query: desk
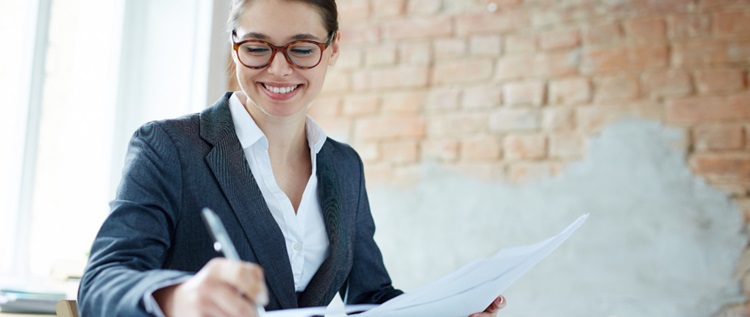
[{"x": 2, "y": 314}]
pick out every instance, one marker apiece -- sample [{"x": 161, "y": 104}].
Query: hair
[{"x": 326, "y": 8}]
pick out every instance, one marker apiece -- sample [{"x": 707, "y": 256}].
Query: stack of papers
[
  {"x": 469, "y": 290},
  {"x": 18, "y": 301}
]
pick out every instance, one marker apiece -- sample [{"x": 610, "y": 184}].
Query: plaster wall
[{"x": 659, "y": 241}]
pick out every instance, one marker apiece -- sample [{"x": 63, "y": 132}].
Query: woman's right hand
[{"x": 221, "y": 288}]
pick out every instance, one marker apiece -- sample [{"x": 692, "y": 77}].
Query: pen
[{"x": 222, "y": 243}]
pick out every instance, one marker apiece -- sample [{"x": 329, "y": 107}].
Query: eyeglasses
[{"x": 302, "y": 54}]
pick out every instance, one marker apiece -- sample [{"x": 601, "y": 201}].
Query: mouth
[{"x": 279, "y": 91}]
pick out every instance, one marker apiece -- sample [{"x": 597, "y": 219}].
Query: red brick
[
  {"x": 382, "y": 55},
  {"x": 711, "y": 137},
  {"x": 647, "y": 29},
  {"x": 559, "y": 39},
  {"x": 491, "y": 23},
  {"x": 415, "y": 54},
  {"x": 700, "y": 51},
  {"x": 524, "y": 147},
  {"x": 607, "y": 59},
  {"x": 481, "y": 148},
  {"x": 570, "y": 91},
  {"x": 667, "y": 83},
  {"x": 457, "y": 124},
  {"x": 732, "y": 24},
  {"x": 558, "y": 119},
  {"x": 442, "y": 99},
  {"x": 337, "y": 81},
  {"x": 501, "y": 4},
  {"x": 602, "y": 34},
  {"x": 705, "y": 109},
  {"x": 537, "y": 66},
  {"x": 738, "y": 51},
  {"x": 506, "y": 120},
  {"x": 368, "y": 151},
  {"x": 360, "y": 34},
  {"x": 424, "y": 7},
  {"x": 338, "y": 128},
  {"x": 710, "y": 4},
  {"x": 390, "y": 127},
  {"x": 353, "y": 11},
  {"x": 440, "y": 149},
  {"x": 350, "y": 58},
  {"x": 481, "y": 97},
  {"x": 531, "y": 93},
  {"x": 388, "y": 8},
  {"x": 522, "y": 43},
  {"x": 379, "y": 174},
  {"x": 400, "y": 152},
  {"x": 399, "y": 77},
  {"x": 485, "y": 45},
  {"x": 523, "y": 172},
  {"x": 358, "y": 105},
  {"x": 719, "y": 80},
  {"x": 689, "y": 26},
  {"x": 461, "y": 71},
  {"x": 566, "y": 146},
  {"x": 724, "y": 167},
  {"x": 593, "y": 119},
  {"x": 450, "y": 48},
  {"x": 403, "y": 102},
  {"x": 418, "y": 28},
  {"x": 615, "y": 88},
  {"x": 325, "y": 107}
]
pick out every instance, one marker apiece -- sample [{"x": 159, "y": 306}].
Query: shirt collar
[{"x": 249, "y": 133}]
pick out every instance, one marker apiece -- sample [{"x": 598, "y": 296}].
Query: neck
[{"x": 287, "y": 139}]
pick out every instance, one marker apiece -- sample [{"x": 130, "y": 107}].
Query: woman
[{"x": 293, "y": 201}]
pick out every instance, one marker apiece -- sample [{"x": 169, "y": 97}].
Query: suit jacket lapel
[
  {"x": 333, "y": 272},
  {"x": 227, "y": 162}
]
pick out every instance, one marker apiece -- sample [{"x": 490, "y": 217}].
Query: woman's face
[{"x": 268, "y": 89}]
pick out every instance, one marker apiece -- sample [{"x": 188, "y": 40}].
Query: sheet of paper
[
  {"x": 320, "y": 311},
  {"x": 472, "y": 288},
  {"x": 468, "y": 290}
]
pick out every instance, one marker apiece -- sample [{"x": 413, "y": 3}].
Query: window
[{"x": 82, "y": 76}]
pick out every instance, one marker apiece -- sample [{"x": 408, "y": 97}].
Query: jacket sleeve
[
  {"x": 131, "y": 247},
  {"x": 368, "y": 282}
]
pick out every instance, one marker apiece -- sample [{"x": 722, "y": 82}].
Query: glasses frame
[{"x": 283, "y": 49}]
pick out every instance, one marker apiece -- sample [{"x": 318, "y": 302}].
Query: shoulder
[{"x": 341, "y": 153}]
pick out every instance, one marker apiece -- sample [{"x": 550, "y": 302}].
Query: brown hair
[{"x": 326, "y": 8}]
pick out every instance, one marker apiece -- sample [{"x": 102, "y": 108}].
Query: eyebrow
[{"x": 261, "y": 36}]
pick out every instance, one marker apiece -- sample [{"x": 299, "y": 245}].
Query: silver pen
[{"x": 222, "y": 242}]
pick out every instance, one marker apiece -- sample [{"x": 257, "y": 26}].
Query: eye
[
  {"x": 302, "y": 50},
  {"x": 256, "y": 49}
]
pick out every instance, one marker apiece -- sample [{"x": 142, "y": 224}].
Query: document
[{"x": 468, "y": 290}]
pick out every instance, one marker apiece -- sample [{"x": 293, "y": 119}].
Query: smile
[{"x": 280, "y": 90}]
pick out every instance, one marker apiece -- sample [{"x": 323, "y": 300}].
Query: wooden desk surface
[{"x": 2, "y": 314}]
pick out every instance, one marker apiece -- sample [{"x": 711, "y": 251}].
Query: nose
[{"x": 279, "y": 66}]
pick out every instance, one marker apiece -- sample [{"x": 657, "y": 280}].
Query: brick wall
[{"x": 513, "y": 89}]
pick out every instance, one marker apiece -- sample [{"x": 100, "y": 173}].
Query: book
[{"x": 29, "y": 302}]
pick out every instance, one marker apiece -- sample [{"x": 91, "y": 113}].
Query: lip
[{"x": 276, "y": 96}]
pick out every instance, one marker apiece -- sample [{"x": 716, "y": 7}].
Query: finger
[
  {"x": 496, "y": 305},
  {"x": 226, "y": 300},
  {"x": 246, "y": 278}
]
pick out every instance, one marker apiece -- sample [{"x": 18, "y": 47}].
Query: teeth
[{"x": 280, "y": 90}]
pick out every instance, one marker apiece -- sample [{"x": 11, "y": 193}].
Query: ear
[{"x": 335, "y": 49}]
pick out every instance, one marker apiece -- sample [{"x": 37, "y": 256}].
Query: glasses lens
[
  {"x": 254, "y": 54},
  {"x": 304, "y": 54}
]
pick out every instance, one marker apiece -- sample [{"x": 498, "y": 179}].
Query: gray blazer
[{"x": 155, "y": 233}]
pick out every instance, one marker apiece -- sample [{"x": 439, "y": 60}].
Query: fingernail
[{"x": 262, "y": 297}]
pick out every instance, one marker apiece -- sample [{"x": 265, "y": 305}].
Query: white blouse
[{"x": 305, "y": 233}]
